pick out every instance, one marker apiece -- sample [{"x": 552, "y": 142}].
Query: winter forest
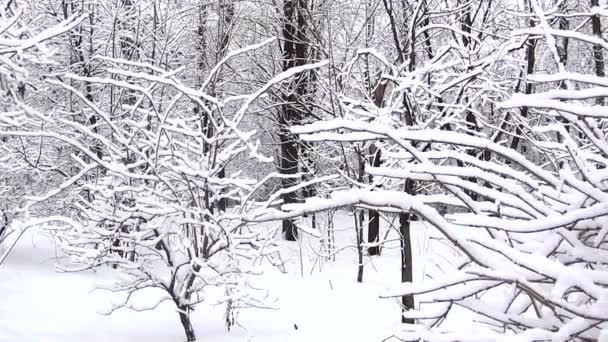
[{"x": 303, "y": 170}]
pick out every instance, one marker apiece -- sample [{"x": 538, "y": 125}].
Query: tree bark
[
  {"x": 359, "y": 226},
  {"x": 598, "y": 53},
  {"x": 294, "y": 54},
  {"x": 227, "y": 15},
  {"x": 530, "y": 60},
  {"x": 373, "y": 226},
  {"x": 184, "y": 318},
  {"x": 360, "y": 218},
  {"x": 407, "y": 262},
  {"x": 289, "y": 167}
]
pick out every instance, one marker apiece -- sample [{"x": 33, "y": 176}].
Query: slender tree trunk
[
  {"x": 598, "y": 54},
  {"x": 184, "y": 318},
  {"x": 562, "y": 51},
  {"x": 405, "y": 219},
  {"x": 358, "y": 216},
  {"x": 185, "y": 309},
  {"x": 530, "y": 62},
  {"x": 308, "y": 163},
  {"x": 4, "y": 225},
  {"x": 373, "y": 226},
  {"x": 377, "y": 92},
  {"x": 227, "y": 15},
  {"x": 294, "y": 54},
  {"x": 407, "y": 262},
  {"x": 289, "y": 167}
]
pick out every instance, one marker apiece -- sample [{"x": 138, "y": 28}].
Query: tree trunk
[
  {"x": 4, "y": 225},
  {"x": 359, "y": 218},
  {"x": 407, "y": 262},
  {"x": 184, "y": 318},
  {"x": 405, "y": 219},
  {"x": 289, "y": 166},
  {"x": 598, "y": 54},
  {"x": 227, "y": 18},
  {"x": 407, "y": 274},
  {"x": 531, "y": 60},
  {"x": 294, "y": 54},
  {"x": 373, "y": 226},
  {"x": 184, "y": 310}
]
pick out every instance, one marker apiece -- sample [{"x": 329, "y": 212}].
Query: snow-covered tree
[
  {"x": 530, "y": 223},
  {"x": 149, "y": 184},
  {"x": 22, "y": 48}
]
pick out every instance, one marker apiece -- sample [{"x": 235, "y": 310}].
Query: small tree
[{"x": 150, "y": 207}]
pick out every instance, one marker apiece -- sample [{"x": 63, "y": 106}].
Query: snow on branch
[{"x": 530, "y": 222}]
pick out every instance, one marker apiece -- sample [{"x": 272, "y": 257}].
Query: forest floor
[{"x": 320, "y": 301}]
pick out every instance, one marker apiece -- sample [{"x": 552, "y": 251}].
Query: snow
[
  {"x": 323, "y": 299},
  {"x": 508, "y": 238},
  {"x": 361, "y": 131},
  {"x": 603, "y": 336}
]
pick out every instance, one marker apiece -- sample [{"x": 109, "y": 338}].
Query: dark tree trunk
[
  {"x": 227, "y": 14},
  {"x": 221, "y": 204},
  {"x": 405, "y": 219},
  {"x": 562, "y": 51},
  {"x": 472, "y": 127},
  {"x": 3, "y": 228},
  {"x": 407, "y": 261},
  {"x": 373, "y": 226},
  {"x": 531, "y": 60},
  {"x": 308, "y": 166},
  {"x": 407, "y": 274},
  {"x": 359, "y": 219},
  {"x": 294, "y": 54},
  {"x": 186, "y": 289},
  {"x": 289, "y": 166},
  {"x": 598, "y": 53},
  {"x": 184, "y": 318}
]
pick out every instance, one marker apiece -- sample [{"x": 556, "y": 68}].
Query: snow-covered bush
[{"x": 155, "y": 201}]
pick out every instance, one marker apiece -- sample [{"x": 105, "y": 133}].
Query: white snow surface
[{"x": 327, "y": 304}]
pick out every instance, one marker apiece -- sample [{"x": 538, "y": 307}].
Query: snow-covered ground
[{"x": 324, "y": 300}]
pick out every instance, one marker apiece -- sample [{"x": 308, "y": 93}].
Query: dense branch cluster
[
  {"x": 530, "y": 223},
  {"x": 145, "y": 144}
]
